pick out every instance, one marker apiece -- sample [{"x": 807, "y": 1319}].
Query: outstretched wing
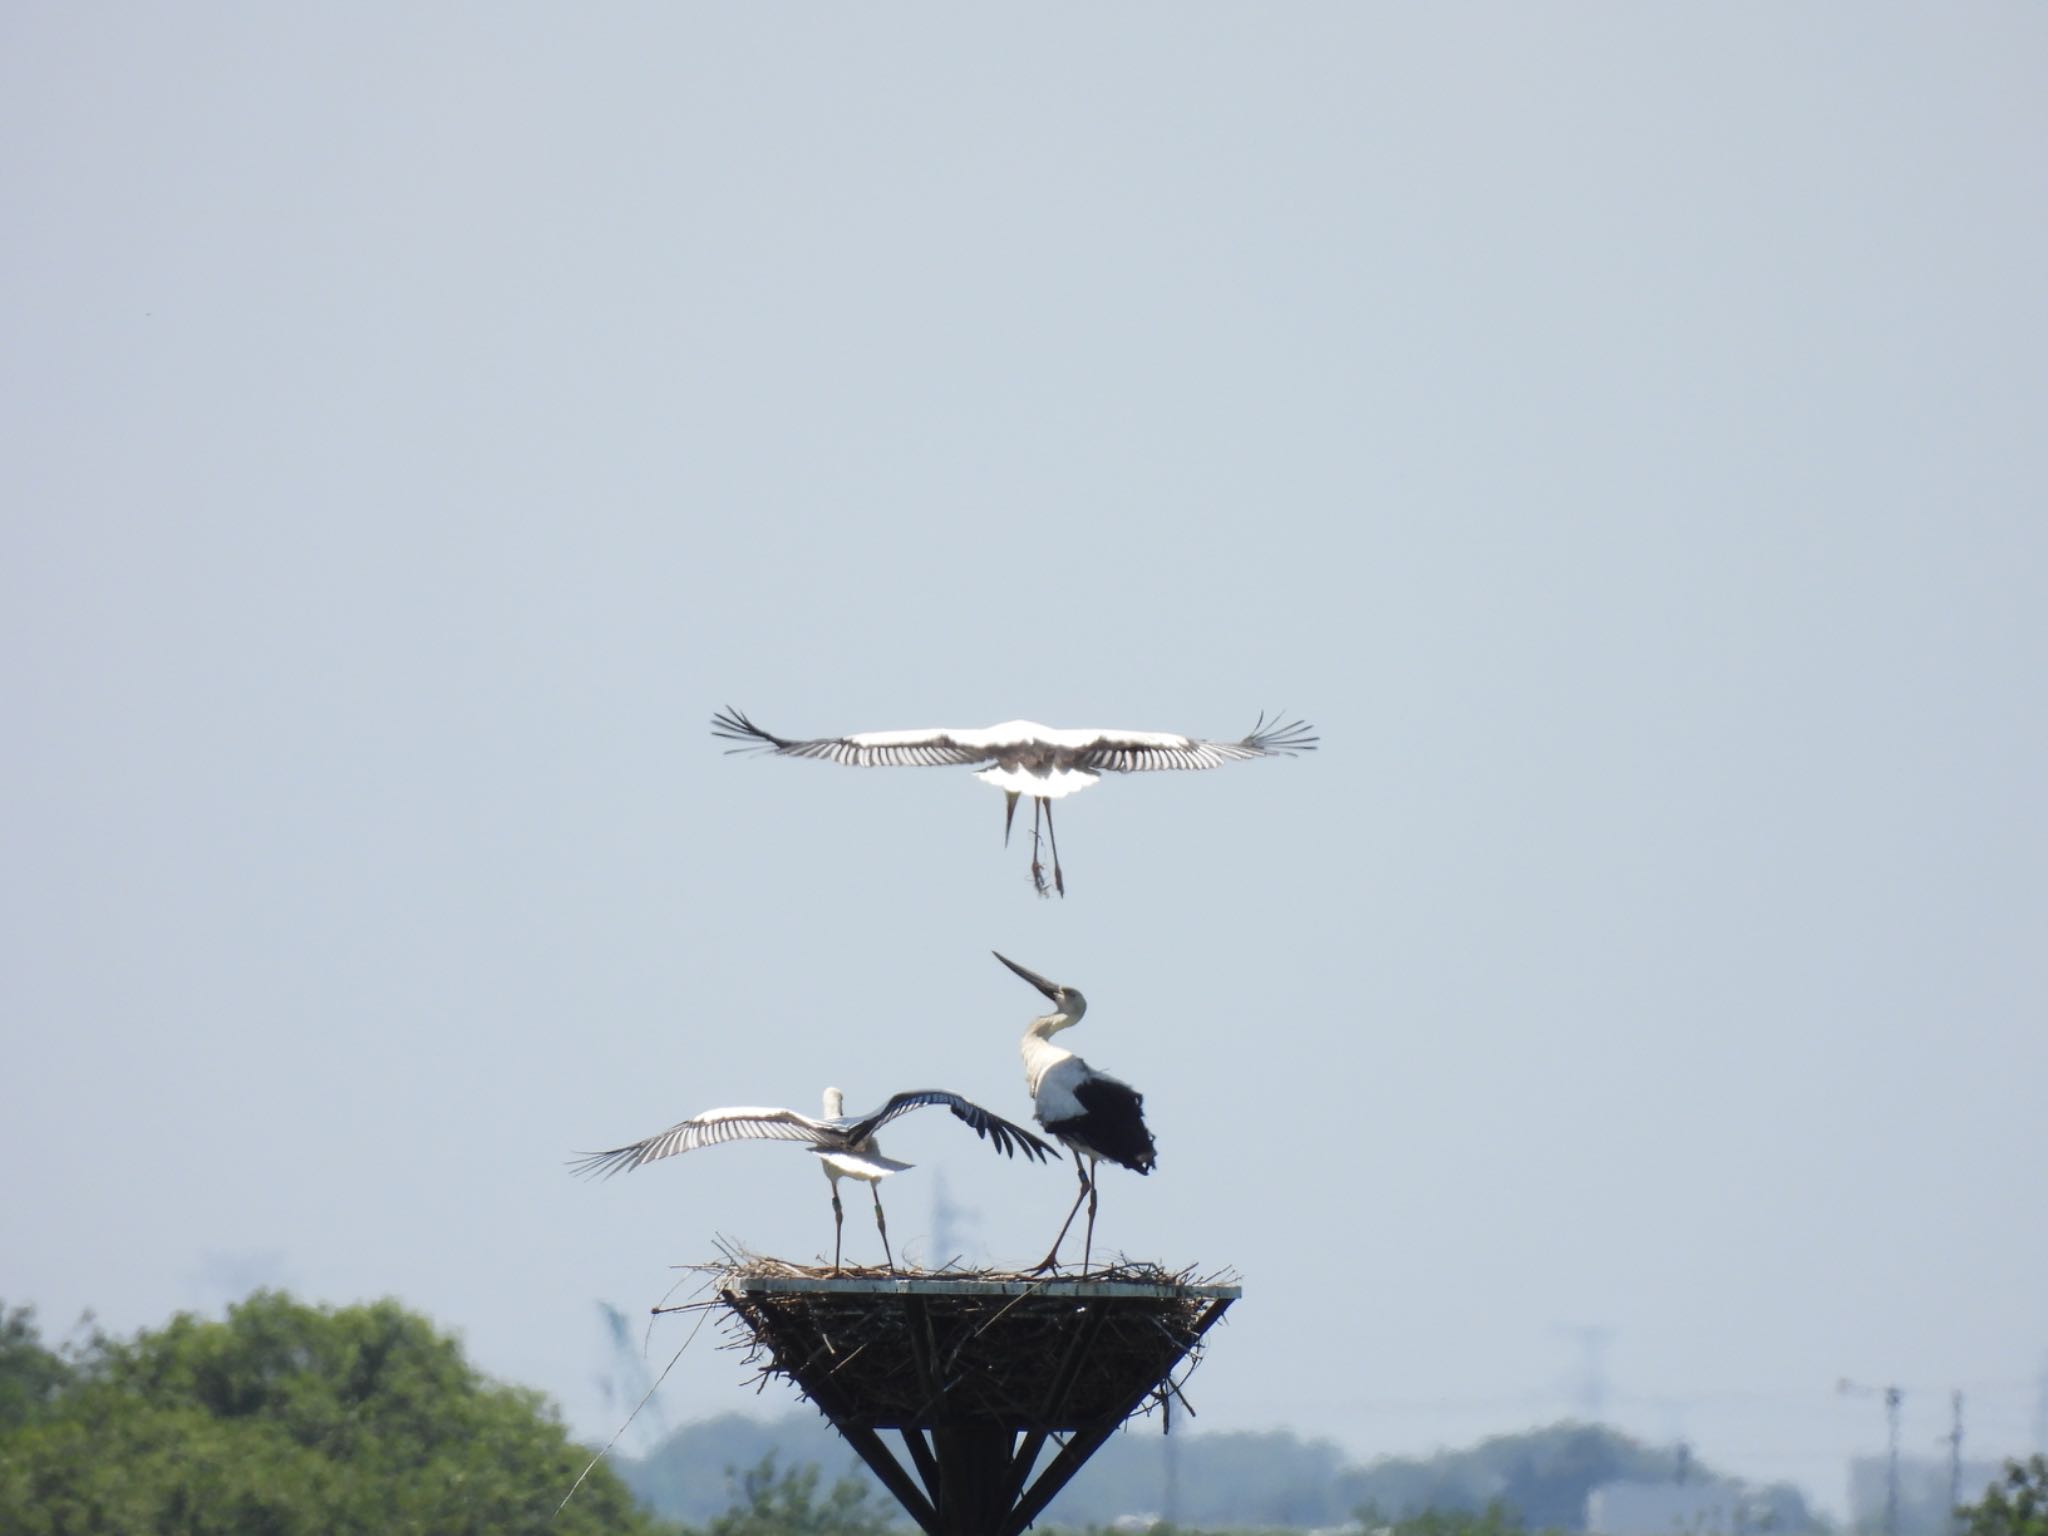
[
  {"x": 870, "y": 749},
  {"x": 1142, "y": 751},
  {"x": 1007, "y": 1138},
  {"x": 742, "y": 1123}
]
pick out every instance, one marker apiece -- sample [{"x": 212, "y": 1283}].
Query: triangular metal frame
[{"x": 968, "y": 1468}]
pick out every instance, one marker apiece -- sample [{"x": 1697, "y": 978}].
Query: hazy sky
[{"x": 1622, "y": 430}]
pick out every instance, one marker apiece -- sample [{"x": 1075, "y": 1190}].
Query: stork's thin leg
[
  {"x": 1088, "y": 1244},
  {"x": 838, "y": 1225},
  {"x": 1009, "y": 813},
  {"x": 1037, "y": 869},
  {"x": 1052, "y": 1260},
  {"x": 1059, "y": 880},
  {"x": 882, "y": 1226}
]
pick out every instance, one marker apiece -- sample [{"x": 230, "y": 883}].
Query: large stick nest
[{"x": 970, "y": 1347}]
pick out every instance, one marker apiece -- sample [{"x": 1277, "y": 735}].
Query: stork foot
[{"x": 1038, "y": 881}]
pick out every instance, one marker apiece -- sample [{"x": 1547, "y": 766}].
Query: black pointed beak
[{"x": 1051, "y": 989}]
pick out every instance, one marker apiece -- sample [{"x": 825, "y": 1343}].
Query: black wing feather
[
  {"x": 1112, "y": 1123},
  {"x": 731, "y": 724},
  {"x": 1006, "y": 1137}
]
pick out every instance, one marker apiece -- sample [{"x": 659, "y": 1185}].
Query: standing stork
[
  {"x": 844, "y": 1144},
  {"x": 1025, "y": 758},
  {"x": 1096, "y": 1115}
]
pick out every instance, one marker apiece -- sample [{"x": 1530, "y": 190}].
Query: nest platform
[{"x": 976, "y": 1371}]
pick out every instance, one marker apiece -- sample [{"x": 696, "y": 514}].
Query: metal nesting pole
[{"x": 977, "y": 1375}]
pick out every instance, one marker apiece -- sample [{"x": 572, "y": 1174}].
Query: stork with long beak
[{"x": 1097, "y": 1116}]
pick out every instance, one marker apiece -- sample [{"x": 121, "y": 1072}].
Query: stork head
[
  {"x": 835, "y": 1104},
  {"x": 1067, "y": 1002}
]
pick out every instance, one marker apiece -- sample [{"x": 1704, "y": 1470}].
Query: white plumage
[
  {"x": 1097, "y": 1116},
  {"x": 1022, "y": 757},
  {"x": 844, "y": 1144}
]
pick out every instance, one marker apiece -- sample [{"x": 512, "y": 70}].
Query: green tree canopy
[
  {"x": 285, "y": 1419},
  {"x": 789, "y": 1505},
  {"x": 2017, "y": 1505},
  {"x": 30, "y": 1375}
]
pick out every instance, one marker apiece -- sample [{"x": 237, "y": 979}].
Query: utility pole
[
  {"x": 1892, "y": 1396},
  {"x": 1955, "y": 1457}
]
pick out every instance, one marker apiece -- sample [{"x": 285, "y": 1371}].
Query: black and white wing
[
  {"x": 1006, "y": 1137},
  {"x": 870, "y": 749},
  {"x": 741, "y": 1123},
  {"x": 1113, "y": 1123},
  {"x": 1102, "y": 1115},
  {"x": 1143, "y": 751}
]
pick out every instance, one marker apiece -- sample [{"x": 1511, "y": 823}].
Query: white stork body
[
  {"x": 1022, "y": 757},
  {"x": 1052, "y": 783},
  {"x": 863, "y": 1161},
  {"x": 844, "y": 1144},
  {"x": 1097, "y": 1116}
]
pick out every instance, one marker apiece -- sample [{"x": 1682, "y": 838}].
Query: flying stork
[
  {"x": 1096, "y": 1115},
  {"x": 1025, "y": 758},
  {"x": 844, "y": 1144}
]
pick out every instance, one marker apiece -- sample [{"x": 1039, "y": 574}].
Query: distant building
[
  {"x": 1923, "y": 1492},
  {"x": 1664, "y": 1509}
]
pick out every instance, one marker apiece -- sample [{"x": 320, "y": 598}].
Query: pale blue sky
[{"x": 1619, "y": 429}]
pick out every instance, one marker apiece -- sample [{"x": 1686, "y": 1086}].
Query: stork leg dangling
[
  {"x": 838, "y": 1225},
  {"x": 1059, "y": 880},
  {"x": 882, "y": 1226},
  {"x": 1052, "y": 1260},
  {"x": 1038, "y": 808}
]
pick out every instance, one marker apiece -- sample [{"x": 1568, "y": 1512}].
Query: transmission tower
[
  {"x": 949, "y": 1218},
  {"x": 1892, "y": 1396},
  {"x": 1955, "y": 1457},
  {"x": 629, "y": 1382},
  {"x": 1592, "y": 1390}
]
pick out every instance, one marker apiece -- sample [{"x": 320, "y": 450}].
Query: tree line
[{"x": 287, "y": 1419}]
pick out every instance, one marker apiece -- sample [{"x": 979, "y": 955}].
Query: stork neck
[
  {"x": 1040, "y": 1057},
  {"x": 1072, "y": 1005},
  {"x": 1047, "y": 1025}
]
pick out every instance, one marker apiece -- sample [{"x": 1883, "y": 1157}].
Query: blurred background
[{"x": 1618, "y": 430}]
